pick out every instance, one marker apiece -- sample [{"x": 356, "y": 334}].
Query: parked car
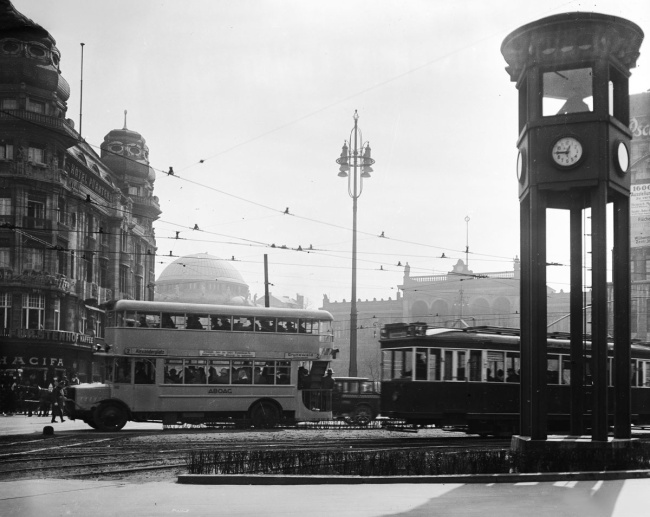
[{"x": 355, "y": 399}]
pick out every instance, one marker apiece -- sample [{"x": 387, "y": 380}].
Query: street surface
[{"x": 51, "y": 496}]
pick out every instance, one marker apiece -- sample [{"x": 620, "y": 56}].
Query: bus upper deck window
[
  {"x": 167, "y": 321},
  {"x": 265, "y": 324},
  {"x": 195, "y": 322},
  {"x": 242, "y": 323},
  {"x": 220, "y": 322},
  {"x": 149, "y": 320},
  {"x": 287, "y": 325}
]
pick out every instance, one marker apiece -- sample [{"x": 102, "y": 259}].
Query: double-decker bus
[
  {"x": 193, "y": 363},
  {"x": 469, "y": 378}
]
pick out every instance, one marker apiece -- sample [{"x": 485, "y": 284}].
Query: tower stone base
[{"x": 578, "y": 453}]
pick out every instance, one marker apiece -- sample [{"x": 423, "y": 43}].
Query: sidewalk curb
[{"x": 261, "y": 479}]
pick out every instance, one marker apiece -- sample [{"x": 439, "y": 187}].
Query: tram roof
[{"x": 225, "y": 310}]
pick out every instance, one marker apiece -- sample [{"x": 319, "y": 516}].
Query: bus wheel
[
  {"x": 265, "y": 415},
  {"x": 362, "y": 415},
  {"x": 109, "y": 417}
]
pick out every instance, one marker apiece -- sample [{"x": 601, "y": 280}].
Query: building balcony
[
  {"x": 35, "y": 121},
  {"x": 146, "y": 206},
  {"x": 87, "y": 290},
  {"x": 35, "y": 279},
  {"x": 105, "y": 295}
]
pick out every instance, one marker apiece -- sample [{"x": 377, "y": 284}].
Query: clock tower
[{"x": 571, "y": 71}]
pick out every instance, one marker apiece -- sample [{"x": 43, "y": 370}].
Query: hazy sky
[{"x": 250, "y": 102}]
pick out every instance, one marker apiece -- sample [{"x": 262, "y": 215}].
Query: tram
[
  {"x": 469, "y": 378},
  {"x": 194, "y": 363}
]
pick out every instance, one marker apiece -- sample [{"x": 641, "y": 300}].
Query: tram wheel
[
  {"x": 265, "y": 415},
  {"x": 362, "y": 415},
  {"x": 110, "y": 417}
]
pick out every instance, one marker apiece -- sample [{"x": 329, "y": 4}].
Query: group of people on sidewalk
[{"x": 19, "y": 397}]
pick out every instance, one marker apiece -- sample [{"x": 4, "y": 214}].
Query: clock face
[
  {"x": 622, "y": 158},
  {"x": 567, "y": 151},
  {"x": 521, "y": 166}
]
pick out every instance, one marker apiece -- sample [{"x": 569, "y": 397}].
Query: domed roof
[{"x": 199, "y": 268}]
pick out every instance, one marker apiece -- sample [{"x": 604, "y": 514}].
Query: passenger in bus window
[
  {"x": 499, "y": 375},
  {"x": 167, "y": 322},
  {"x": 258, "y": 378},
  {"x": 193, "y": 322},
  {"x": 212, "y": 375},
  {"x": 143, "y": 322},
  {"x": 224, "y": 377},
  {"x": 490, "y": 377}
]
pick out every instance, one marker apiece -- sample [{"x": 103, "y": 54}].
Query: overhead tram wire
[{"x": 279, "y": 211}]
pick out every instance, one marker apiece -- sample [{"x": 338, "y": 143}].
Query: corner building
[{"x": 75, "y": 227}]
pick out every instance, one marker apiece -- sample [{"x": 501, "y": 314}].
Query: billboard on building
[{"x": 640, "y": 167}]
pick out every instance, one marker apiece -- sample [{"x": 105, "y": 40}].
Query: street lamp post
[{"x": 352, "y": 157}]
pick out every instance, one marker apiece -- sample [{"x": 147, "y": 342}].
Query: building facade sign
[
  {"x": 89, "y": 180},
  {"x": 59, "y": 336}
]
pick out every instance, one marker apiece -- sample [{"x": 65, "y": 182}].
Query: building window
[
  {"x": 5, "y": 206},
  {"x": 33, "y": 259},
  {"x": 35, "y": 106},
  {"x": 62, "y": 256},
  {"x": 36, "y": 209},
  {"x": 5, "y": 310},
  {"x": 124, "y": 241},
  {"x": 9, "y": 104},
  {"x": 103, "y": 272},
  {"x": 61, "y": 210},
  {"x": 124, "y": 275},
  {"x": 36, "y": 155},
  {"x": 6, "y": 151},
  {"x": 57, "y": 314},
  {"x": 138, "y": 288},
  {"x": 33, "y": 311},
  {"x": 5, "y": 257}
]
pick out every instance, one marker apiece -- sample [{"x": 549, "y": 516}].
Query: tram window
[
  {"x": 122, "y": 370},
  {"x": 434, "y": 364},
  {"x": 242, "y": 323},
  {"x": 109, "y": 370},
  {"x": 218, "y": 372},
  {"x": 283, "y": 372},
  {"x": 386, "y": 365},
  {"x": 149, "y": 319},
  {"x": 168, "y": 321},
  {"x": 265, "y": 324},
  {"x": 496, "y": 365},
  {"x": 566, "y": 370},
  {"x": 145, "y": 371},
  {"x": 634, "y": 374},
  {"x": 406, "y": 364},
  {"x": 646, "y": 373},
  {"x": 475, "y": 365},
  {"x": 196, "y": 321},
  {"x": 553, "y": 369},
  {"x": 513, "y": 367},
  {"x": 421, "y": 364},
  {"x": 288, "y": 325},
  {"x": 173, "y": 371},
  {"x": 221, "y": 322}
]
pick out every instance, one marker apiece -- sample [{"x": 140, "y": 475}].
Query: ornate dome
[
  {"x": 126, "y": 152},
  {"x": 28, "y": 53},
  {"x": 201, "y": 267},
  {"x": 202, "y": 278}
]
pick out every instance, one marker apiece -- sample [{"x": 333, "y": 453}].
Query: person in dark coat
[{"x": 57, "y": 402}]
